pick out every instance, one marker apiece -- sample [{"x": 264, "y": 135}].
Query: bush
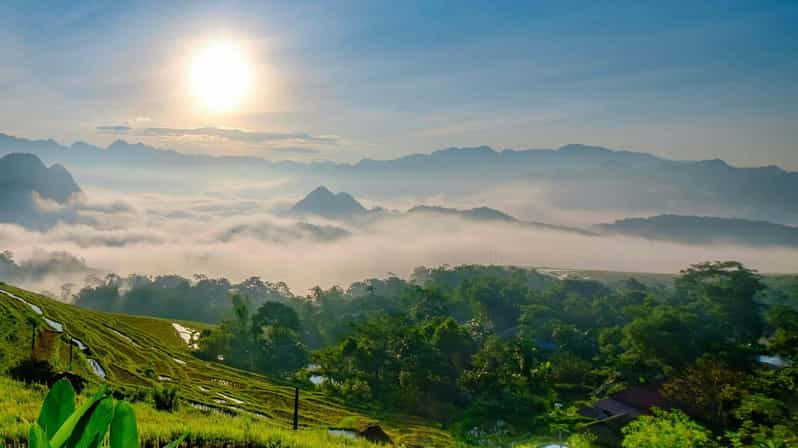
[
  {"x": 129, "y": 394},
  {"x": 33, "y": 371},
  {"x": 666, "y": 429},
  {"x": 165, "y": 398}
]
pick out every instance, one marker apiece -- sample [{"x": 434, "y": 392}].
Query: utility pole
[
  {"x": 33, "y": 338},
  {"x": 296, "y": 408},
  {"x": 559, "y": 428}
]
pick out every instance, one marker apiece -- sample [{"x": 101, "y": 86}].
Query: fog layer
[{"x": 235, "y": 234}]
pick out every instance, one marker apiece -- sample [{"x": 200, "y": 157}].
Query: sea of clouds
[{"x": 239, "y": 231}]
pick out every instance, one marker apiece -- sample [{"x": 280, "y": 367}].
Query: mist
[{"x": 236, "y": 234}]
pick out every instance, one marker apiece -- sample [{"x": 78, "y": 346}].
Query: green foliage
[
  {"x": 37, "y": 438},
  {"x": 666, "y": 337},
  {"x": 87, "y": 426},
  {"x": 709, "y": 388},
  {"x": 725, "y": 292},
  {"x": 666, "y": 429},
  {"x": 480, "y": 349},
  {"x": 175, "y": 443},
  {"x": 267, "y": 341},
  {"x": 92, "y": 427},
  {"x": 123, "y": 432},
  {"x": 78, "y": 418},
  {"x": 582, "y": 440},
  {"x": 58, "y": 406},
  {"x": 266, "y": 404},
  {"x": 165, "y": 398}
]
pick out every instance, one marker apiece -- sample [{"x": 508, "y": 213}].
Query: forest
[{"x": 493, "y": 353}]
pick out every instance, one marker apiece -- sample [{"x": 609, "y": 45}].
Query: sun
[{"x": 220, "y": 76}]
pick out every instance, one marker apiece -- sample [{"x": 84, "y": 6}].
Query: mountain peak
[
  {"x": 119, "y": 143},
  {"x": 575, "y": 148},
  {"x": 323, "y": 202},
  {"x": 320, "y": 191},
  {"x": 26, "y": 172}
]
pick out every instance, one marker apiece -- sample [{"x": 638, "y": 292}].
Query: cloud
[
  {"x": 44, "y": 270},
  {"x": 300, "y": 151},
  {"x": 232, "y": 134},
  {"x": 114, "y": 129},
  {"x": 232, "y": 233}
]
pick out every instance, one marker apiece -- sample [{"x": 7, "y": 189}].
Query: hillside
[
  {"x": 490, "y": 215},
  {"x": 24, "y": 181},
  {"x": 705, "y": 230},
  {"x": 26, "y": 172},
  {"x": 137, "y": 353}
]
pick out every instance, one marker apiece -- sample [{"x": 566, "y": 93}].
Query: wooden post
[
  {"x": 33, "y": 340},
  {"x": 296, "y": 408}
]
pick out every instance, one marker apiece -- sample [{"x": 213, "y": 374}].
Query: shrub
[
  {"x": 165, "y": 398},
  {"x": 666, "y": 429},
  {"x": 33, "y": 371}
]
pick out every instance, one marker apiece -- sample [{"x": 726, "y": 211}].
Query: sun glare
[{"x": 220, "y": 76}]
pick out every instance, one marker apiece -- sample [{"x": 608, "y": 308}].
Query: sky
[{"x": 346, "y": 80}]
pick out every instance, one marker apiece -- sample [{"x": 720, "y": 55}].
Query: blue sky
[{"x": 687, "y": 80}]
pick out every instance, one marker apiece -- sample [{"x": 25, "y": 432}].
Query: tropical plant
[{"x": 60, "y": 424}]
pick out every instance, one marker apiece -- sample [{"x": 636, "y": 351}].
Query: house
[{"x": 629, "y": 403}]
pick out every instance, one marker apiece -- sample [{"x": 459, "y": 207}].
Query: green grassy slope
[{"x": 140, "y": 353}]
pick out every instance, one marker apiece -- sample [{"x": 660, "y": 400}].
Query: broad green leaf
[
  {"x": 175, "y": 443},
  {"x": 37, "y": 438},
  {"x": 58, "y": 406},
  {"x": 65, "y": 431},
  {"x": 91, "y": 429},
  {"x": 123, "y": 428}
]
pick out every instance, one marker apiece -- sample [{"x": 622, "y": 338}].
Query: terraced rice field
[{"x": 133, "y": 353}]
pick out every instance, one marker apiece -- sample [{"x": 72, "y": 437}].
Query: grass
[
  {"x": 218, "y": 404},
  {"x": 19, "y": 407}
]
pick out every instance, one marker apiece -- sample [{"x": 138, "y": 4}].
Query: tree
[
  {"x": 276, "y": 346},
  {"x": 708, "y": 388},
  {"x": 507, "y": 379},
  {"x": 494, "y": 301},
  {"x": 665, "y": 429},
  {"x": 665, "y": 337},
  {"x": 273, "y": 314},
  {"x": 783, "y": 320},
  {"x": 278, "y": 350},
  {"x": 725, "y": 291},
  {"x": 454, "y": 343}
]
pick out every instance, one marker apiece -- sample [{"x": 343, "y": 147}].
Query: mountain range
[
  {"x": 342, "y": 206},
  {"x": 573, "y": 177},
  {"x": 674, "y": 228}
]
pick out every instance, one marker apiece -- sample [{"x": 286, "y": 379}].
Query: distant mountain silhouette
[
  {"x": 479, "y": 213},
  {"x": 23, "y": 177},
  {"x": 27, "y": 173},
  {"x": 487, "y": 214},
  {"x": 705, "y": 230},
  {"x": 322, "y": 202},
  {"x": 342, "y": 206},
  {"x": 574, "y": 177}
]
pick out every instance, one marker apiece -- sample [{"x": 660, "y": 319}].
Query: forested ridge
[{"x": 495, "y": 352}]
